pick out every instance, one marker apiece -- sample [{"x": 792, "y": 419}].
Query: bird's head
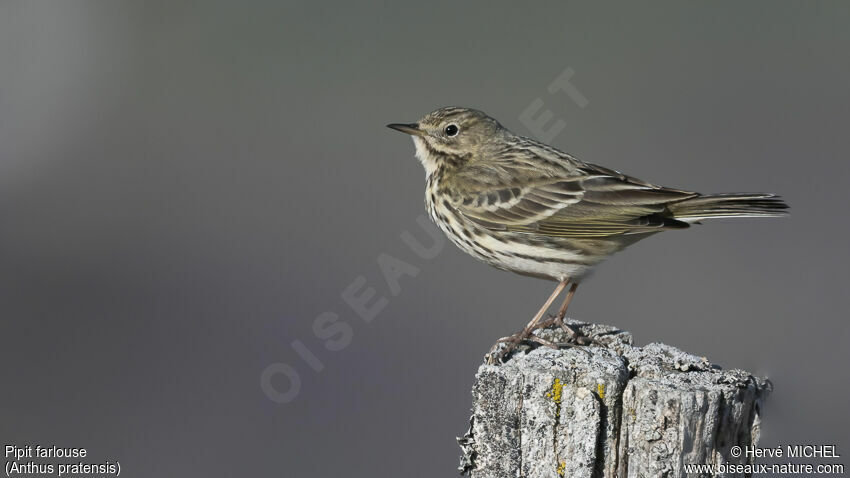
[{"x": 450, "y": 136}]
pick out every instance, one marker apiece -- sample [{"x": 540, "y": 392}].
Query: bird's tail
[{"x": 729, "y": 205}]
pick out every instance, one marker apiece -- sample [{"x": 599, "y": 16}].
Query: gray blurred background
[{"x": 185, "y": 187}]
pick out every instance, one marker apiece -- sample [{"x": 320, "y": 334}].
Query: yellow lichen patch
[
  {"x": 556, "y": 394},
  {"x": 557, "y": 391},
  {"x": 600, "y": 390},
  {"x": 562, "y": 468}
]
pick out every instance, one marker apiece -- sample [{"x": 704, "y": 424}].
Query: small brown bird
[{"x": 525, "y": 207}]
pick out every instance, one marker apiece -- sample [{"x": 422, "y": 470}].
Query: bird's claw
[{"x": 500, "y": 353}]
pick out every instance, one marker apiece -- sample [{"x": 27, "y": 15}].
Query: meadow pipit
[{"x": 525, "y": 207}]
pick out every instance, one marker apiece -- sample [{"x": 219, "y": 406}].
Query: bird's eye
[{"x": 451, "y": 130}]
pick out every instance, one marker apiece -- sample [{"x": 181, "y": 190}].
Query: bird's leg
[
  {"x": 515, "y": 339},
  {"x": 562, "y": 312},
  {"x": 575, "y": 335},
  {"x": 546, "y": 305}
]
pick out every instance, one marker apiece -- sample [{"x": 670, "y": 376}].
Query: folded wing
[{"x": 586, "y": 202}]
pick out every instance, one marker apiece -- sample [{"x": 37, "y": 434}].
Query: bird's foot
[
  {"x": 576, "y": 336},
  {"x": 506, "y": 346},
  {"x": 499, "y": 353}
]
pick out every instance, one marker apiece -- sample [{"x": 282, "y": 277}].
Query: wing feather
[{"x": 583, "y": 201}]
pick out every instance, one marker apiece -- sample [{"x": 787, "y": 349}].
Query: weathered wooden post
[{"x": 614, "y": 410}]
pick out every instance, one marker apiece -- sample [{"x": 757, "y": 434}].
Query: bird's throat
[{"x": 425, "y": 156}]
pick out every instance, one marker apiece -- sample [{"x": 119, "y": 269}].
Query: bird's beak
[{"x": 409, "y": 128}]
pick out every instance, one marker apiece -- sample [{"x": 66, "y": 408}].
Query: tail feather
[{"x": 729, "y": 205}]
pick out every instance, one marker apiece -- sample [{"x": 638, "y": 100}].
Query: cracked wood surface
[{"x": 607, "y": 411}]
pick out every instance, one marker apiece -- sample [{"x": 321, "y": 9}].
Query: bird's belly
[{"x": 520, "y": 253}]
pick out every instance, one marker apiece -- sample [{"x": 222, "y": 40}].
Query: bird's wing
[{"x": 586, "y": 201}]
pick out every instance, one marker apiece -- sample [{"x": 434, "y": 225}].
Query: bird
[{"x": 526, "y": 207}]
